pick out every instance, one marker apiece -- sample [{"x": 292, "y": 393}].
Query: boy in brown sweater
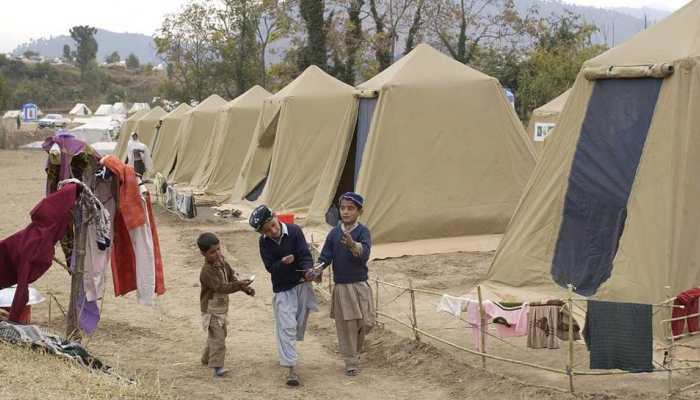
[{"x": 217, "y": 280}]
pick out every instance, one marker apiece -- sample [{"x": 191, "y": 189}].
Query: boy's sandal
[
  {"x": 293, "y": 379},
  {"x": 352, "y": 371}
]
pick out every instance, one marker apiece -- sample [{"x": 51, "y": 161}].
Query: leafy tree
[
  {"x": 132, "y": 62},
  {"x": 113, "y": 58},
  {"x": 315, "y": 52},
  {"x": 5, "y": 95},
  {"x": 29, "y": 54},
  {"x": 562, "y": 46},
  {"x": 86, "y": 53},
  {"x": 67, "y": 54},
  {"x": 184, "y": 41}
]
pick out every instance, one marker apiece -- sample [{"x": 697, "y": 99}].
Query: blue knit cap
[
  {"x": 259, "y": 217},
  {"x": 354, "y": 197}
]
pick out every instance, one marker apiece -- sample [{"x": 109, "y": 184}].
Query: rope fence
[{"x": 570, "y": 370}]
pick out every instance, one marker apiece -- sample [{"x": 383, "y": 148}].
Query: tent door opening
[
  {"x": 603, "y": 171},
  {"x": 353, "y": 162},
  {"x": 258, "y": 189}
]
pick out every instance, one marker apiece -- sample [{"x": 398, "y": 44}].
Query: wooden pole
[
  {"x": 670, "y": 352},
  {"x": 482, "y": 328},
  {"x": 570, "y": 364},
  {"x": 80, "y": 241},
  {"x": 50, "y": 301},
  {"x": 376, "y": 301},
  {"x": 414, "y": 321}
]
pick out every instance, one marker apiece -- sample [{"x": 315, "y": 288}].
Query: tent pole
[{"x": 482, "y": 328}]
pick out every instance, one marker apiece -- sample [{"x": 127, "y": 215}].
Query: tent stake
[{"x": 482, "y": 328}]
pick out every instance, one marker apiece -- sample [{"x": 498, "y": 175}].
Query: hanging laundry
[
  {"x": 619, "y": 336},
  {"x": 136, "y": 260},
  {"x": 542, "y": 327},
  {"x": 515, "y": 319},
  {"x": 27, "y": 255},
  {"x": 689, "y": 301}
]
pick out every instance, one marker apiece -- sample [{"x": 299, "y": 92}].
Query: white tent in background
[
  {"x": 97, "y": 130},
  {"x": 80, "y": 109},
  {"x": 104, "y": 109},
  {"x": 11, "y": 114},
  {"x": 119, "y": 108},
  {"x": 138, "y": 107}
]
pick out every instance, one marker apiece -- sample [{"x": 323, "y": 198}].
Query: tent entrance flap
[
  {"x": 605, "y": 163},
  {"x": 351, "y": 169},
  {"x": 257, "y": 190}
]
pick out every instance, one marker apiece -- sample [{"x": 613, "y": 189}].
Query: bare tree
[{"x": 461, "y": 26}]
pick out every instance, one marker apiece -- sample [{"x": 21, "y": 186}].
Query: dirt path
[{"x": 161, "y": 345}]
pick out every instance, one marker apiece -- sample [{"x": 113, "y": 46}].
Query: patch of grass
[{"x": 26, "y": 374}]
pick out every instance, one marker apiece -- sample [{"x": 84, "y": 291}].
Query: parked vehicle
[{"x": 53, "y": 121}]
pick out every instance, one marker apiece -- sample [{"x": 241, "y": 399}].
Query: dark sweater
[
  {"x": 346, "y": 267},
  {"x": 286, "y": 276}
]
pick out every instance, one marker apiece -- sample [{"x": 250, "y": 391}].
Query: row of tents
[
  {"x": 609, "y": 207},
  {"x": 434, "y": 146},
  {"x": 82, "y": 110}
]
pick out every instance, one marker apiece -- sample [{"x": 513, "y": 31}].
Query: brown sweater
[{"x": 217, "y": 282}]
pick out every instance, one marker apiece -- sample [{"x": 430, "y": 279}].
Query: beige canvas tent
[
  {"x": 164, "y": 147},
  {"x": 146, "y": 126},
  {"x": 297, "y": 130},
  {"x": 194, "y": 136},
  {"x": 437, "y": 152},
  {"x": 612, "y": 206},
  {"x": 128, "y": 127},
  {"x": 234, "y": 129},
  {"x": 544, "y": 119},
  {"x": 80, "y": 110}
]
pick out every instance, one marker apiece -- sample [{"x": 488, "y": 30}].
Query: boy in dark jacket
[
  {"x": 347, "y": 248},
  {"x": 287, "y": 258},
  {"x": 217, "y": 280}
]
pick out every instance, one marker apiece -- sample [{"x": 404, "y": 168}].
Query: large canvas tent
[
  {"x": 437, "y": 152},
  {"x": 165, "y": 143},
  {"x": 233, "y": 132},
  {"x": 297, "y": 129},
  {"x": 612, "y": 205},
  {"x": 194, "y": 136},
  {"x": 128, "y": 127},
  {"x": 544, "y": 119},
  {"x": 146, "y": 125},
  {"x": 80, "y": 110}
]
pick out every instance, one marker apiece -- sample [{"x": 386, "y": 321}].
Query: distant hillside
[
  {"x": 615, "y": 24},
  {"x": 108, "y": 42}
]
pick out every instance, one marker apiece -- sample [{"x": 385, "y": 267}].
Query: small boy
[
  {"x": 287, "y": 258},
  {"x": 347, "y": 247},
  {"x": 217, "y": 280}
]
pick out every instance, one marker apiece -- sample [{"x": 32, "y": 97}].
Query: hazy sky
[{"x": 55, "y": 17}]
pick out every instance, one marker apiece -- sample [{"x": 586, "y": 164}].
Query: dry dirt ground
[{"x": 161, "y": 345}]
